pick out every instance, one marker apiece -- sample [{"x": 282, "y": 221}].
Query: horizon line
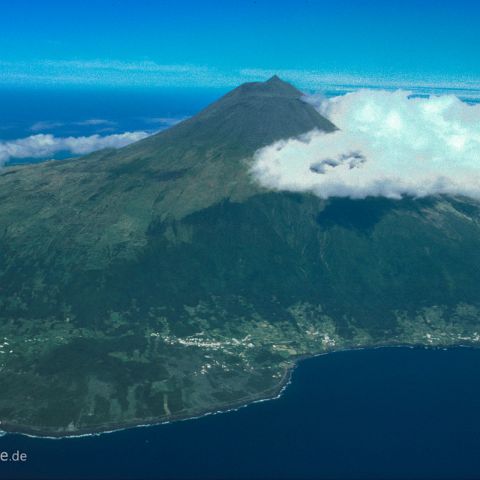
[{"x": 116, "y": 73}]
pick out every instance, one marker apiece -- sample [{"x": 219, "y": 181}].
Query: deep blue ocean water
[{"x": 383, "y": 413}]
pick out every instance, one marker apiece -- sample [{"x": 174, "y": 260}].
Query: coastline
[{"x": 264, "y": 396}]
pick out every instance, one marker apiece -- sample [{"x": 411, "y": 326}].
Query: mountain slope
[
  {"x": 159, "y": 281},
  {"x": 108, "y": 199}
]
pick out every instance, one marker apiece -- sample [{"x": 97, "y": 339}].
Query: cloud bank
[
  {"x": 46, "y": 125},
  {"x": 388, "y": 144},
  {"x": 148, "y": 73},
  {"x": 46, "y": 145}
]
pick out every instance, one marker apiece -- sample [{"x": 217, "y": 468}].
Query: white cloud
[
  {"x": 315, "y": 80},
  {"x": 46, "y": 145},
  {"x": 389, "y": 144},
  {"x": 151, "y": 73},
  {"x": 111, "y": 72},
  {"x": 95, "y": 122},
  {"x": 165, "y": 121},
  {"x": 45, "y": 125}
]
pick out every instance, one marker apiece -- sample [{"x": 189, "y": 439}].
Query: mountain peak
[
  {"x": 276, "y": 80},
  {"x": 249, "y": 117},
  {"x": 274, "y": 86}
]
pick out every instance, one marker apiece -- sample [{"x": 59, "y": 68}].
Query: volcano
[{"x": 160, "y": 281}]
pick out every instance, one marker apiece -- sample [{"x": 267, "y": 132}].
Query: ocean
[
  {"x": 380, "y": 413},
  {"x": 69, "y": 111}
]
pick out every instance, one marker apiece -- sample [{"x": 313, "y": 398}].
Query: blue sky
[{"x": 213, "y": 43}]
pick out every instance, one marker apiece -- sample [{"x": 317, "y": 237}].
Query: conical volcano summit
[{"x": 160, "y": 281}]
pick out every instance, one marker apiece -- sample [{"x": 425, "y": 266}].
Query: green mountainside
[{"x": 158, "y": 281}]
